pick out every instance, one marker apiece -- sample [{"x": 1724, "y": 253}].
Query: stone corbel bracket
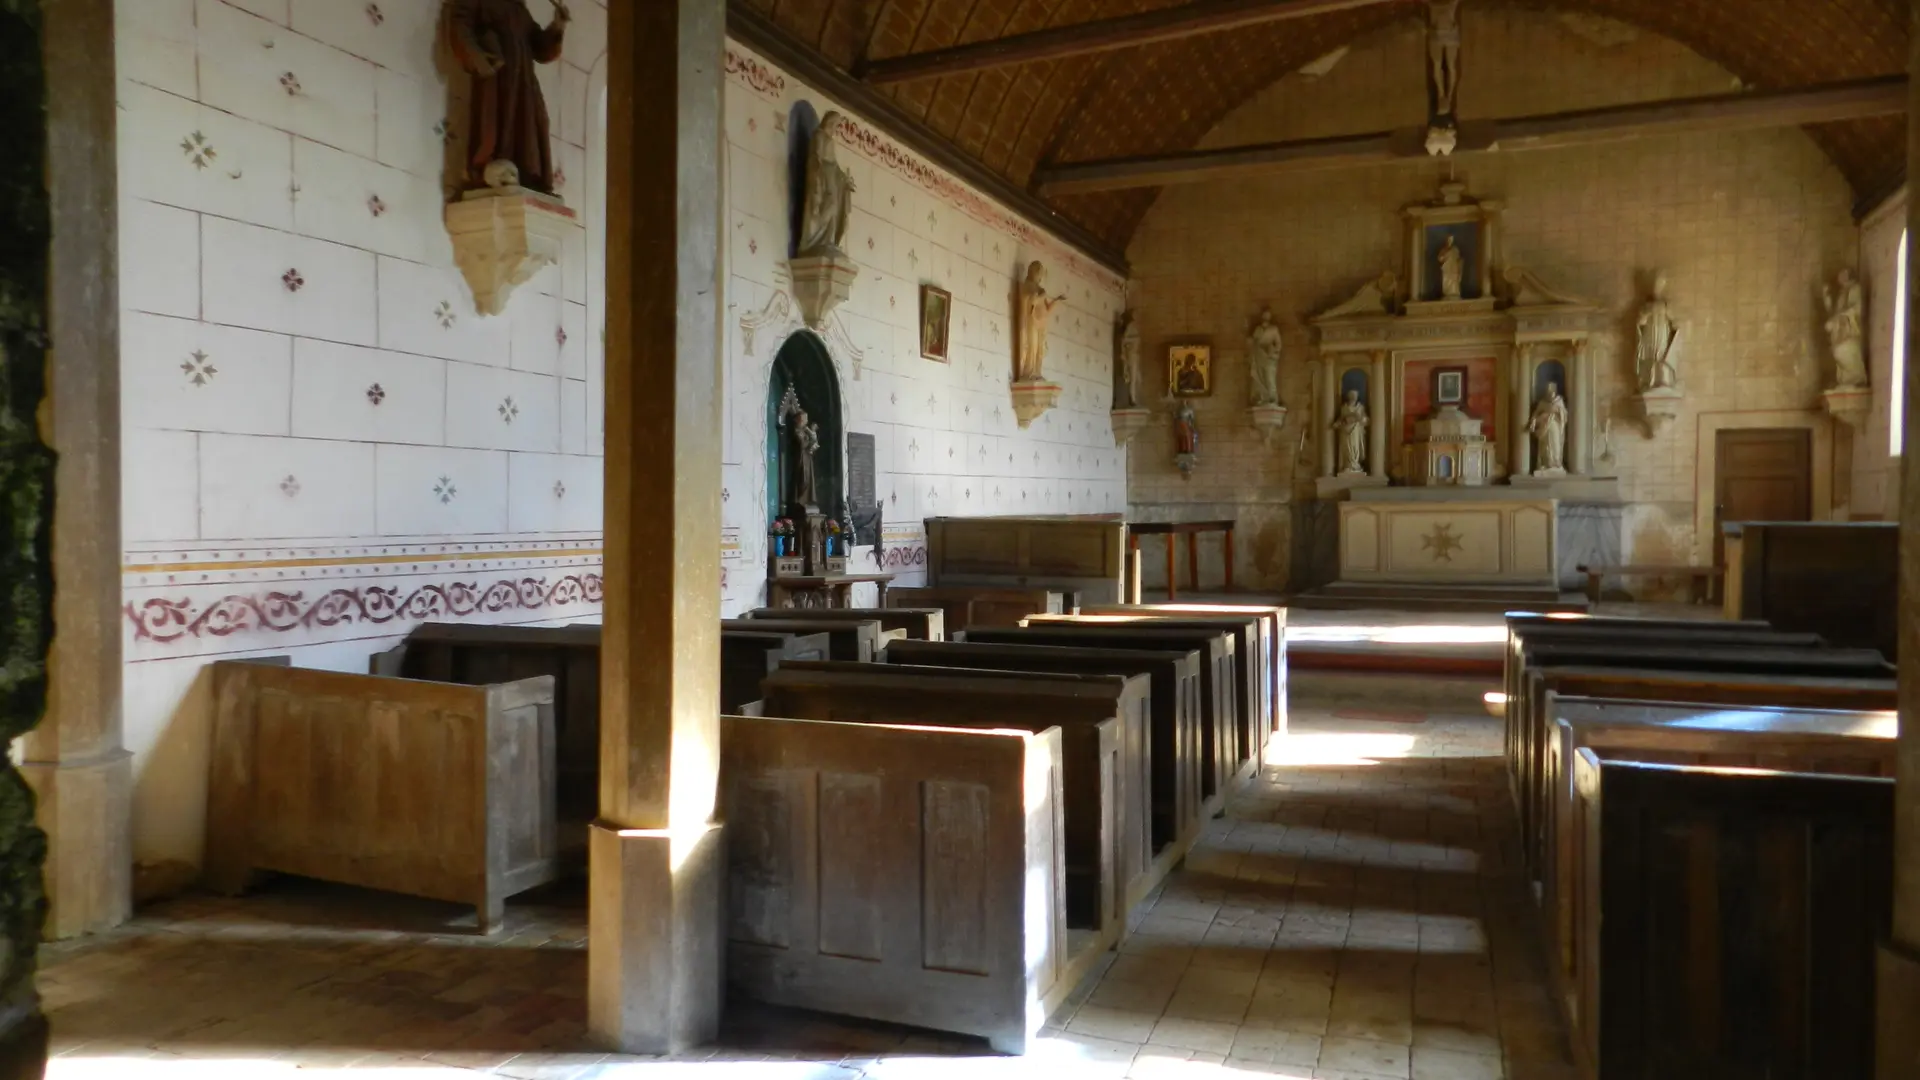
[
  {"x": 1129, "y": 422},
  {"x": 1659, "y": 406},
  {"x": 502, "y": 237},
  {"x": 1849, "y": 405},
  {"x": 1268, "y": 420},
  {"x": 822, "y": 281},
  {"x": 1032, "y": 399}
]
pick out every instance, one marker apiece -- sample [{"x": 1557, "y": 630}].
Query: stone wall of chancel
[{"x": 1747, "y": 225}]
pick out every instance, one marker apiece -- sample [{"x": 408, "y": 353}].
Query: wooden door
[{"x": 1762, "y": 474}]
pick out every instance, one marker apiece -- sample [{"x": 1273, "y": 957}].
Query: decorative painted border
[
  {"x": 163, "y": 620},
  {"x": 903, "y": 558},
  {"x": 755, "y": 73}
]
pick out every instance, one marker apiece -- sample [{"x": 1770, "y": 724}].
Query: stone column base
[
  {"x": 85, "y": 810},
  {"x": 655, "y": 941},
  {"x": 1897, "y": 1001}
]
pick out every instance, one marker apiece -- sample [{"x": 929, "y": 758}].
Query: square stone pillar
[
  {"x": 1378, "y": 410},
  {"x": 1329, "y": 409},
  {"x": 81, "y": 776},
  {"x": 656, "y": 864},
  {"x": 1519, "y": 439},
  {"x": 1898, "y": 998}
]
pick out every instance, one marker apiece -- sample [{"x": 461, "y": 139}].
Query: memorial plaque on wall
[{"x": 862, "y": 505}]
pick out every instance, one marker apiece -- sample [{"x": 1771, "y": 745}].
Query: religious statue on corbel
[
  {"x": 1265, "y": 344},
  {"x": 1033, "y": 395},
  {"x": 1186, "y": 440},
  {"x": 822, "y": 273},
  {"x": 509, "y": 222},
  {"x": 1657, "y": 359},
  {"x": 1848, "y": 398},
  {"x": 1128, "y": 416}
]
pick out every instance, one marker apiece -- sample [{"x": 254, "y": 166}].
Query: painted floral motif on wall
[{"x": 163, "y": 621}]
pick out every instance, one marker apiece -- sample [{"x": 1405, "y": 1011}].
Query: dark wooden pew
[
  {"x": 1273, "y": 618},
  {"x": 746, "y": 657},
  {"x": 1218, "y": 672},
  {"x": 981, "y": 605},
  {"x": 900, "y": 874},
  {"x": 1779, "y": 684},
  {"x": 1726, "y": 921},
  {"x": 855, "y": 641},
  {"x": 1098, "y": 716},
  {"x": 920, "y": 624},
  {"x": 424, "y": 788},
  {"x": 1175, "y": 714}
]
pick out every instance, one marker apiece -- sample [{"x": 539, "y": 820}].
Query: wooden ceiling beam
[
  {"x": 1827, "y": 103},
  {"x": 1102, "y": 35}
]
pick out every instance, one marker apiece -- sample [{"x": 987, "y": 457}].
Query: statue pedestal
[
  {"x": 504, "y": 236},
  {"x": 1268, "y": 420},
  {"x": 1849, "y": 405},
  {"x": 1451, "y": 451},
  {"x": 822, "y": 280},
  {"x": 1129, "y": 422},
  {"x": 1031, "y": 400},
  {"x": 1659, "y": 406}
]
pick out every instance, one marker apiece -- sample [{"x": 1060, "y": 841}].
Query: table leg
[
  {"x": 1193, "y": 561},
  {"x": 1229, "y": 538},
  {"x": 1173, "y": 581}
]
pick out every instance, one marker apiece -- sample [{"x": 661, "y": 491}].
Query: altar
[{"x": 1428, "y": 536}]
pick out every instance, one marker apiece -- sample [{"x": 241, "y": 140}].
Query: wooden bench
[
  {"x": 1218, "y": 672},
  {"x": 920, "y": 624},
  {"x": 910, "y": 875},
  {"x": 1257, "y": 651},
  {"x": 1273, "y": 618},
  {"x": 748, "y": 657},
  {"x": 1174, "y": 715},
  {"x": 423, "y": 788},
  {"x": 1726, "y": 921},
  {"x": 1702, "y": 581},
  {"x": 1667, "y": 733},
  {"x": 1779, "y": 686},
  {"x": 981, "y": 605},
  {"x": 1100, "y": 718},
  {"x": 855, "y": 641}
]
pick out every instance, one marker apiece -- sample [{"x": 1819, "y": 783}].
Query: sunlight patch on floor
[
  {"x": 1435, "y": 634},
  {"x": 1339, "y": 748}
]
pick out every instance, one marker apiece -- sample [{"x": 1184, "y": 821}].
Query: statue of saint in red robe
[{"x": 499, "y": 43}]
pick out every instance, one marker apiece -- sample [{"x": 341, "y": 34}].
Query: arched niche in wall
[
  {"x": 804, "y": 366},
  {"x": 802, "y": 122}
]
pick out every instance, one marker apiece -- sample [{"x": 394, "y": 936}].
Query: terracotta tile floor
[{"x": 1353, "y": 918}]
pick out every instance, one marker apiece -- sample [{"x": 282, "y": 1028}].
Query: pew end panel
[
  {"x": 429, "y": 789},
  {"x": 912, "y": 875}
]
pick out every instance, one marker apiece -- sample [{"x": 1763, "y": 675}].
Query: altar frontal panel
[{"x": 1450, "y": 543}]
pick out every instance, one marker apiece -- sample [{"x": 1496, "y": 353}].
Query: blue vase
[{"x": 779, "y": 546}]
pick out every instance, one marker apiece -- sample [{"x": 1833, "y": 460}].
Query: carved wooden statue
[
  {"x": 498, "y": 43},
  {"x": 1036, "y": 314},
  {"x": 806, "y": 447},
  {"x": 829, "y": 193}
]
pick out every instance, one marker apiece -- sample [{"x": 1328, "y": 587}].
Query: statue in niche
[
  {"x": 1549, "y": 428},
  {"x": 1443, "y": 53},
  {"x": 829, "y": 193},
  {"x": 1659, "y": 333},
  {"x": 1845, "y": 333},
  {"x": 1351, "y": 426},
  {"x": 1036, "y": 312},
  {"x": 1373, "y": 298},
  {"x": 803, "y": 485},
  {"x": 1264, "y": 346},
  {"x": 1126, "y": 361},
  {"x": 498, "y": 43},
  {"x": 1453, "y": 268}
]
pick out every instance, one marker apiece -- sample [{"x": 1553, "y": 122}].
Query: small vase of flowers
[
  {"x": 780, "y": 536},
  {"x": 835, "y": 539}
]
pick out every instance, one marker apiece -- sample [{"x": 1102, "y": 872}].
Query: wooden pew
[
  {"x": 981, "y": 605},
  {"x": 1758, "y": 683},
  {"x": 1218, "y": 671},
  {"x": 483, "y": 655},
  {"x": 855, "y": 640},
  {"x": 1100, "y": 718},
  {"x": 423, "y": 788},
  {"x": 747, "y": 657},
  {"x": 1726, "y": 920},
  {"x": 920, "y": 624},
  {"x": 1272, "y": 617},
  {"x": 912, "y": 875},
  {"x": 1668, "y": 733},
  {"x": 1174, "y": 713}
]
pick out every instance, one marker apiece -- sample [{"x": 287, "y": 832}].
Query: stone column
[
  {"x": 80, "y": 774},
  {"x": 1377, "y": 412},
  {"x": 1580, "y": 391},
  {"x": 1520, "y": 444},
  {"x": 1329, "y": 408},
  {"x": 1898, "y": 999},
  {"x": 656, "y": 862}
]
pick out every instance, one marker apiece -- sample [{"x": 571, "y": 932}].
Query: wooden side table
[
  {"x": 1172, "y": 530},
  {"x": 823, "y": 591}
]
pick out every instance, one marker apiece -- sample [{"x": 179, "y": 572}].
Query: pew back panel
[
  {"x": 980, "y": 605},
  {"x": 855, "y": 640},
  {"x": 921, "y": 624},
  {"x": 1272, "y": 618},
  {"x": 747, "y": 657},
  {"x": 429, "y": 789},
  {"x": 902, "y": 874}
]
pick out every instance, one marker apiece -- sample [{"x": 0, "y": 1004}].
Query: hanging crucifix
[{"x": 1443, "y": 74}]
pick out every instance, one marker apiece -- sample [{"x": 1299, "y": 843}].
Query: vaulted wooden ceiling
[{"x": 1164, "y": 97}]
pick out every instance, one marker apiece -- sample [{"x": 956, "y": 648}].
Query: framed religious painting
[
  {"x": 1450, "y": 386},
  {"x": 1190, "y": 371},
  {"x": 936, "y": 322}
]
